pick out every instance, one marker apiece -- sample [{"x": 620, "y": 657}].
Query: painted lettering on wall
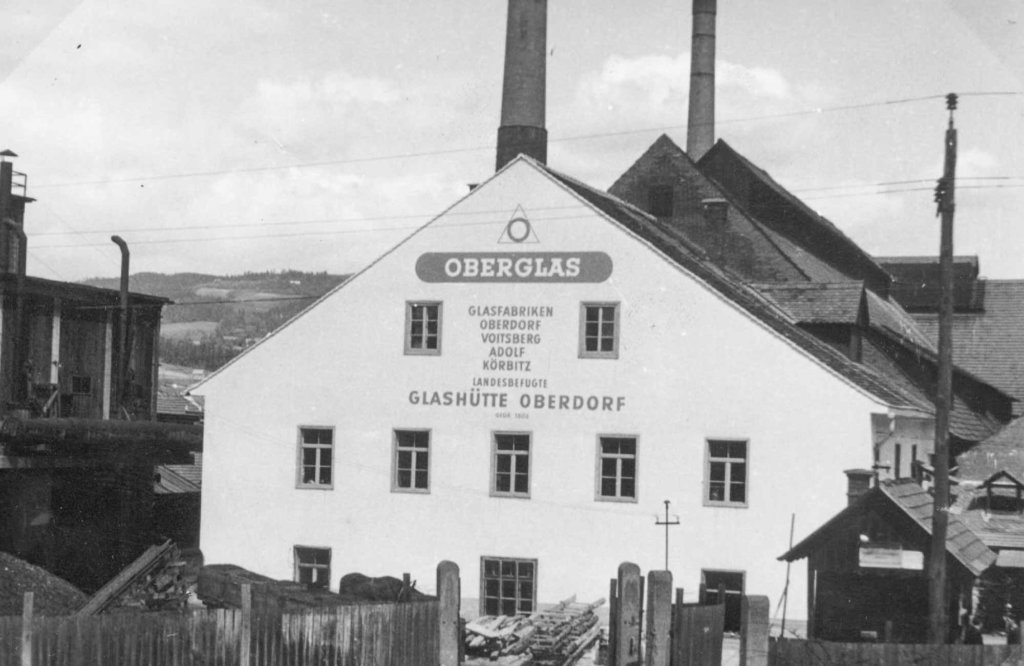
[
  {"x": 508, "y": 333},
  {"x": 536, "y": 401},
  {"x": 514, "y": 267}
]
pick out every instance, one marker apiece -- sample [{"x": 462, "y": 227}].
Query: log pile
[{"x": 556, "y": 636}]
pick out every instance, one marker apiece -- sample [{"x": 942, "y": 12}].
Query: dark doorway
[{"x": 732, "y": 583}]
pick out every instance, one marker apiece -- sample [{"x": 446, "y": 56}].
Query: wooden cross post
[{"x": 667, "y": 523}]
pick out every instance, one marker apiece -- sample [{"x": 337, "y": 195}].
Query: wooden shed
[{"x": 867, "y": 567}]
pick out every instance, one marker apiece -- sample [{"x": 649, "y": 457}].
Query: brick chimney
[
  {"x": 858, "y": 482},
  {"x": 700, "y": 133},
  {"x": 523, "y": 90}
]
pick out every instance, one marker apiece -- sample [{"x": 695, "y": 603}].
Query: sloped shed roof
[{"x": 916, "y": 503}]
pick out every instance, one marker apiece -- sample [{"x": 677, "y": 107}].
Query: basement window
[
  {"x": 507, "y": 586},
  {"x": 660, "y": 200},
  {"x": 423, "y": 328},
  {"x": 81, "y": 385},
  {"x": 599, "y": 330},
  {"x": 313, "y": 566},
  {"x": 316, "y": 457}
]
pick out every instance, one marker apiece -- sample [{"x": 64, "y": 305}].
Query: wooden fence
[
  {"x": 370, "y": 635},
  {"x": 792, "y": 652}
]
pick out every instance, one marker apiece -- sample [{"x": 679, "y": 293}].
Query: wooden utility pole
[
  {"x": 938, "y": 612},
  {"x": 667, "y": 523}
]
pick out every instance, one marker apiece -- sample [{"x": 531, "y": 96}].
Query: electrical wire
[{"x": 469, "y": 149}]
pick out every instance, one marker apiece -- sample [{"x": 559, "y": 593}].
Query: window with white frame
[
  {"x": 616, "y": 468},
  {"x": 423, "y": 328},
  {"x": 316, "y": 457},
  {"x": 511, "y": 463},
  {"x": 412, "y": 461},
  {"x": 726, "y": 473},
  {"x": 507, "y": 586},
  {"x": 599, "y": 330},
  {"x": 313, "y": 566}
]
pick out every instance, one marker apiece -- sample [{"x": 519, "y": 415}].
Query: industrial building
[{"x": 521, "y": 384}]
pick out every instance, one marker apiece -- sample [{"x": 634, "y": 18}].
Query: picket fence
[
  {"x": 793, "y": 652},
  {"x": 364, "y": 635}
]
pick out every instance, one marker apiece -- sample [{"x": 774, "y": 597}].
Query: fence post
[
  {"x": 449, "y": 596},
  {"x": 627, "y": 631},
  {"x": 613, "y": 619},
  {"x": 659, "y": 618},
  {"x": 245, "y": 635},
  {"x": 26, "y": 629},
  {"x": 754, "y": 628}
]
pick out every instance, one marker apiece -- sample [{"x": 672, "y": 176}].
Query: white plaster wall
[{"x": 691, "y": 366}]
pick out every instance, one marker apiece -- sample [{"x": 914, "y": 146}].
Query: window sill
[
  {"x": 314, "y": 486},
  {"x": 616, "y": 500},
  {"x": 725, "y": 505}
]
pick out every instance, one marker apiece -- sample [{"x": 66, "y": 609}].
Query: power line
[
  {"x": 450, "y": 151},
  {"x": 406, "y": 228}
]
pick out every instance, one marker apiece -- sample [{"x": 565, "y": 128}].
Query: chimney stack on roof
[
  {"x": 523, "y": 91},
  {"x": 858, "y": 482},
  {"x": 700, "y": 134}
]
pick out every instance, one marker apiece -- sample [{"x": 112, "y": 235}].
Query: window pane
[
  {"x": 491, "y": 607},
  {"x": 737, "y": 449},
  {"x": 421, "y": 480},
  {"x": 628, "y": 488},
  {"x": 629, "y": 468},
  {"x": 325, "y": 476},
  {"x": 504, "y": 463},
  {"x": 503, "y": 483},
  {"x": 308, "y": 474},
  {"x": 718, "y": 449},
  {"x": 492, "y": 587},
  {"x": 717, "y": 471},
  {"x": 522, "y": 464},
  {"x": 716, "y": 491},
  {"x": 491, "y": 567},
  {"x": 508, "y": 589},
  {"x": 608, "y": 487},
  {"x": 325, "y": 457},
  {"x": 525, "y": 590},
  {"x": 522, "y": 484},
  {"x": 609, "y": 466},
  {"x": 508, "y": 568},
  {"x": 738, "y": 472},
  {"x": 739, "y": 493},
  {"x": 404, "y": 478},
  {"x": 308, "y": 456},
  {"x": 508, "y": 607},
  {"x": 404, "y": 459},
  {"x": 421, "y": 462},
  {"x": 526, "y": 569}
]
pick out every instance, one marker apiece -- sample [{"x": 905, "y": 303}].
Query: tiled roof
[
  {"x": 888, "y": 316},
  {"x": 811, "y": 222},
  {"x": 1003, "y": 451},
  {"x": 173, "y": 479},
  {"x": 917, "y": 503},
  {"x": 996, "y": 529},
  {"x": 690, "y": 257},
  {"x": 817, "y": 302},
  {"x": 177, "y": 404},
  {"x": 989, "y": 343},
  {"x": 815, "y": 269}
]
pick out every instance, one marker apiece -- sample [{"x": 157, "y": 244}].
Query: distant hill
[{"x": 213, "y": 318}]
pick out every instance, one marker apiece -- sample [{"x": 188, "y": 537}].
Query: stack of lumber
[
  {"x": 555, "y": 636},
  {"x": 153, "y": 581}
]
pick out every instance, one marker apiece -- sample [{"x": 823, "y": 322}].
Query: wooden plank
[{"x": 26, "y": 628}]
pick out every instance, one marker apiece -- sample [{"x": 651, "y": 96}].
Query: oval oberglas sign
[{"x": 514, "y": 267}]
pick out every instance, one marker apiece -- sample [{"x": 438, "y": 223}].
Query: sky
[{"x": 226, "y": 136}]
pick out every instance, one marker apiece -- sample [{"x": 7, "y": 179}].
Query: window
[
  {"x": 422, "y": 328},
  {"x": 511, "y": 465},
  {"x": 81, "y": 385},
  {"x": 507, "y": 586},
  {"x": 659, "y": 198},
  {"x": 316, "y": 457},
  {"x": 313, "y": 566},
  {"x": 616, "y": 473},
  {"x": 726, "y": 473},
  {"x": 599, "y": 330},
  {"x": 412, "y": 461}
]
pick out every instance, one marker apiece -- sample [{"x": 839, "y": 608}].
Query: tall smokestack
[
  {"x": 700, "y": 134},
  {"x": 522, "y": 96}
]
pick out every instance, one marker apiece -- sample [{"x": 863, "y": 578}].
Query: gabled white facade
[{"x": 691, "y": 366}]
